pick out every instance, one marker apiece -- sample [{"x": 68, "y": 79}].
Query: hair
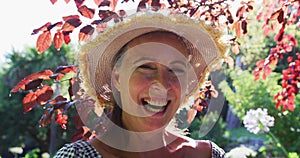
[{"x": 116, "y": 114}]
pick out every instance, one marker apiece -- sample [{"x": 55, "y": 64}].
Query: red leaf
[
  {"x": 58, "y": 24},
  {"x": 66, "y": 18},
  {"x": 199, "y": 108},
  {"x": 244, "y": 27},
  {"x": 240, "y": 12},
  {"x": 44, "y": 94},
  {"x": 58, "y": 40},
  {"x": 58, "y": 76},
  {"x": 291, "y": 107},
  {"x": 235, "y": 49},
  {"x": 238, "y": 29},
  {"x": 267, "y": 29},
  {"x": 292, "y": 39},
  {"x": 67, "y": 1},
  {"x": 280, "y": 17},
  {"x": 78, "y": 3},
  {"x": 42, "y": 28},
  {"x": 86, "y": 32},
  {"x": 61, "y": 119},
  {"x": 46, "y": 118},
  {"x": 33, "y": 84},
  {"x": 105, "y": 3},
  {"x": 97, "y": 2},
  {"x": 57, "y": 99},
  {"x": 259, "y": 14},
  {"x": 86, "y": 12},
  {"x": 67, "y": 38},
  {"x": 107, "y": 15},
  {"x": 260, "y": 63},
  {"x": 66, "y": 69},
  {"x": 45, "y": 75},
  {"x": 60, "y": 104},
  {"x": 290, "y": 59},
  {"x": 71, "y": 24},
  {"x": 267, "y": 72},
  {"x": 67, "y": 27},
  {"x": 82, "y": 36},
  {"x": 70, "y": 89},
  {"x": 43, "y": 42},
  {"x": 229, "y": 17},
  {"x": 53, "y": 1},
  {"x": 275, "y": 25},
  {"x": 279, "y": 35},
  {"x": 275, "y": 15},
  {"x": 20, "y": 86},
  {"x": 29, "y": 101}
]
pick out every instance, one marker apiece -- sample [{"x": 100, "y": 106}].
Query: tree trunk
[
  {"x": 53, "y": 137},
  {"x": 232, "y": 121},
  {"x": 53, "y": 127}
]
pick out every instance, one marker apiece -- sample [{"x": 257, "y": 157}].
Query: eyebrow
[
  {"x": 179, "y": 62},
  {"x": 153, "y": 60},
  {"x": 144, "y": 59}
]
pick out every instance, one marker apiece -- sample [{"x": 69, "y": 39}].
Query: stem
[{"x": 278, "y": 144}]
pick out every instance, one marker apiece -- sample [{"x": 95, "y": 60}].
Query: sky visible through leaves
[{"x": 19, "y": 18}]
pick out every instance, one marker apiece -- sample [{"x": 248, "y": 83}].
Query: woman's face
[{"x": 151, "y": 80}]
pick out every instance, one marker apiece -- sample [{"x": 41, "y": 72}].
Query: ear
[{"x": 115, "y": 76}]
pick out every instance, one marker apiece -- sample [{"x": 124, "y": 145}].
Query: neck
[
  {"x": 125, "y": 140},
  {"x": 135, "y": 147}
]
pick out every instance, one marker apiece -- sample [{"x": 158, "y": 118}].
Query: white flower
[
  {"x": 16, "y": 150},
  {"x": 258, "y": 121}
]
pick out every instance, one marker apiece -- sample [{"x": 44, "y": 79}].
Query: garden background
[{"x": 262, "y": 71}]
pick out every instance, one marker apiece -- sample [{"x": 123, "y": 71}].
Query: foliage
[
  {"x": 286, "y": 14},
  {"x": 254, "y": 46},
  {"x": 33, "y": 153},
  {"x": 244, "y": 94},
  {"x": 275, "y": 17},
  {"x": 17, "y": 128},
  {"x": 217, "y": 134}
]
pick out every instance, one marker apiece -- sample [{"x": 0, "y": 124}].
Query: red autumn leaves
[
  {"x": 206, "y": 93},
  {"x": 61, "y": 36},
  {"x": 289, "y": 83},
  {"x": 279, "y": 20},
  {"x": 66, "y": 27},
  {"x": 40, "y": 94}
]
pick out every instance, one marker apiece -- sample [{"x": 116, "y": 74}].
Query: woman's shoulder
[
  {"x": 217, "y": 152},
  {"x": 79, "y": 148},
  {"x": 202, "y": 146}
]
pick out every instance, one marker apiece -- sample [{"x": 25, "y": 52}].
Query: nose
[
  {"x": 157, "y": 90},
  {"x": 161, "y": 83}
]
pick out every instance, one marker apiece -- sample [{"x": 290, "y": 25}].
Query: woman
[{"x": 145, "y": 68}]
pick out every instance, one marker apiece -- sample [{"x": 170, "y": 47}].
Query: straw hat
[{"x": 96, "y": 57}]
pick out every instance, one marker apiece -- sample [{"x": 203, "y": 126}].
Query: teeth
[
  {"x": 157, "y": 102},
  {"x": 155, "y": 109},
  {"x": 155, "y": 105}
]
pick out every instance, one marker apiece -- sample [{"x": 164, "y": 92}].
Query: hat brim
[{"x": 95, "y": 59}]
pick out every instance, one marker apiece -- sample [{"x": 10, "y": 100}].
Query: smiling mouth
[{"x": 155, "y": 106}]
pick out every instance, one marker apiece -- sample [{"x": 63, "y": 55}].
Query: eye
[
  {"x": 147, "y": 67},
  {"x": 178, "y": 71}
]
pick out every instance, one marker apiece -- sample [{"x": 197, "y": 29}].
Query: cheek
[{"x": 137, "y": 83}]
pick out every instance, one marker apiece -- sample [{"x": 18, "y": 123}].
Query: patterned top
[{"x": 82, "y": 149}]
